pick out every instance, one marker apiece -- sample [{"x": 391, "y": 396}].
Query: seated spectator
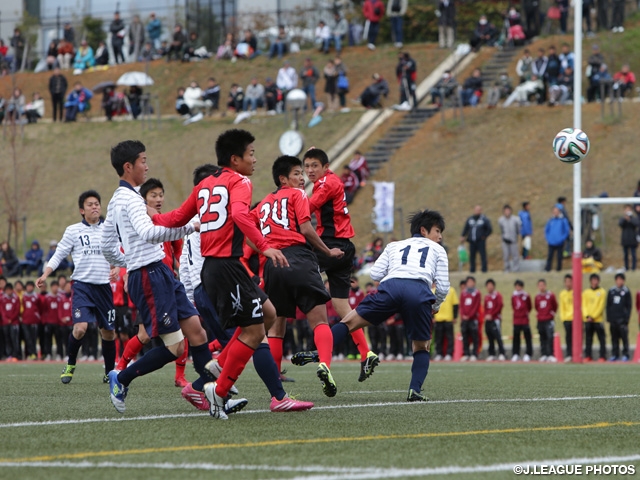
[
  {"x": 78, "y": 101},
  {"x": 566, "y": 57},
  {"x": 194, "y": 49},
  {"x": 472, "y": 89},
  {"x": 193, "y": 98},
  {"x": 35, "y": 109},
  {"x": 147, "y": 54},
  {"x": 554, "y": 67},
  {"x": 591, "y": 258},
  {"x": 84, "y": 57},
  {"x": 163, "y": 51},
  {"x": 235, "y": 100},
  {"x": 563, "y": 89},
  {"x": 181, "y": 106},
  {"x": 65, "y": 54},
  {"x": 513, "y": 17},
  {"x": 8, "y": 261},
  {"x": 211, "y": 95},
  {"x": 102, "y": 54},
  {"x": 524, "y": 91},
  {"x": 2, "y": 109},
  {"x": 272, "y": 96},
  {"x": 52, "y": 55},
  {"x": 446, "y": 85},
  {"x": 287, "y": 78},
  {"x": 109, "y": 102},
  {"x": 15, "y": 106},
  {"x": 323, "y": 36},
  {"x": 65, "y": 264},
  {"x": 339, "y": 31},
  {"x": 599, "y": 84},
  {"x": 248, "y": 48},
  {"x": 253, "y": 96},
  {"x": 373, "y": 251},
  {"x": 370, "y": 97},
  {"x": 134, "y": 95},
  {"x": 524, "y": 67},
  {"x": 484, "y": 34},
  {"x": 516, "y": 35},
  {"x": 280, "y": 44},
  {"x": 177, "y": 44},
  {"x": 227, "y": 49},
  {"x": 624, "y": 80},
  {"x": 32, "y": 260},
  {"x": 501, "y": 89},
  {"x": 3, "y": 51},
  {"x": 350, "y": 182},
  {"x": 359, "y": 166}
]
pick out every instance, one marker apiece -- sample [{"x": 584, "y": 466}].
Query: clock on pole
[{"x": 291, "y": 141}]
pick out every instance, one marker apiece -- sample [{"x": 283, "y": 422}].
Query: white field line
[{"x": 325, "y": 407}]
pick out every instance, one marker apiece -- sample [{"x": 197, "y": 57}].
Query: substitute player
[
  {"x": 406, "y": 271},
  {"x": 92, "y": 300}
]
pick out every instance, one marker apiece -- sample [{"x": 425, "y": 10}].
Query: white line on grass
[{"x": 325, "y": 407}]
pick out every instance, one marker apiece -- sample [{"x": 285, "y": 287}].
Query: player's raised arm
[
  {"x": 181, "y": 215},
  {"x": 151, "y": 233}
]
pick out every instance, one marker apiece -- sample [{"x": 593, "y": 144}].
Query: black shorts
[
  {"x": 338, "y": 270},
  {"x": 235, "y": 297},
  {"x": 300, "y": 285}
]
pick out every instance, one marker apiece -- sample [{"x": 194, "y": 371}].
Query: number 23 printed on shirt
[{"x": 213, "y": 211}]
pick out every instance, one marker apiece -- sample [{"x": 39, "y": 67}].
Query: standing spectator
[
  {"x": 373, "y": 11},
  {"x": 360, "y": 167},
  {"x": 563, "y": 6},
  {"x": 271, "y": 95},
  {"x": 8, "y": 260},
  {"x": 68, "y": 33},
  {"x": 470, "y": 303},
  {"x": 539, "y": 70},
  {"x": 526, "y": 229},
  {"x": 396, "y": 10},
  {"x": 556, "y": 233},
  {"x": 17, "y": 42},
  {"x": 565, "y": 305},
  {"x": 554, "y": 67},
  {"x": 177, "y": 43},
  {"x": 624, "y": 80},
  {"x": 443, "y": 321},
  {"x": 532, "y": 17},
  {"x": 117, "y": 37},
  {"x": 211, "y": 95},
  {"x": 587, "y": 6},
  {"x": 444, "y": 88},
  {"x": 351, "y": 183},
  {"x": 472, "y": 89},
  {"x": 84, "y": 57},
  {"x": 330, "y": 84},
  {"x": 593, "y": 304},
  {"x": 502, "y": 88},
  {"x": 102, "y": 54},
  {"x": 287, "y": 78},
  {"x": 323, "y": 36},
  {"x": 618, "y": 315},
  {"x": 65, "y": 54},
  {"x": 629, "y": 224},
  {"x": 493, "y": 305},
  {"x": 597, "y": 81},
  {"x": 406, "y": 72},
  {"x": 339, "y": 31},
  {"x": 309, "y": 76},
  {"x": 521, "y": 304},
  {"x": 446, "y": 14},
  {"x": 484, "y": 34},
  {"x": 476, "y": 230},
  {"x": 594, "y": 61},
  {"x": 254, "y": 95},
  {"x": 546, "y": 307},
  {"x": 617, "y": 17},
  {"x": 342, "y": 83},
  {"x": 136, "y": 39},
  {"x": 280, "y": 44},
  {"x": 524, "y": 67},
  {"x": 35, "y": 109},
  {"x": 510, "y": 228},
  {"x": 562, "y": 205},
  {"x": 154, "y": 30},
  {"x": 57, "y": 88}
]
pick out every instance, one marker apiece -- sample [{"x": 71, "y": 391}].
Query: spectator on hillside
[
  {"x": 396, "y": 10},
  {"x": 253, "y": 96},
  {"x": 8, "y": 260},
  {"x": 359, "y": 166},
  {"x": 109, "y": 102},
  {"x": 629, "y": 224},
  {"x": 251, "y": 40},
  {"x": 523, "y": 91},
  {"x": 339, "y": 31},
  {"x": 567, "y": 58},
  {"x": 177, "y": 44},
  {"x": 235, "y": 100},
  {"x": 373, "y": 251},
  {"x": 539, "y": 70},
  {"x": 17, "y": 42},
  {"x": 15, "y": 106},
  {"x": 502, "y": 88},
  {"x": 309, "y": 76},
  {"x": 591, "y": 258},
  {"x": 77, "y": 102},
  {"x": 65, "y": 264},
  {"x": 516, "y": 35},
  {"x": 118, "y": 32},
  {"x": 472, "y": 89},
  {"x": 65, "y": 54},
  {"x": 510, "y": 228},
  {"x": 406, "y": 73},
  {"x": 84, "y": 57},
  {"x": 134, "y": 95},
  {"x": 32, "y": 260},
  {"x": 554, "y": 67},
  {"x": 181, "y": 106},
  {"x": 68, "y": 33},
  {"x": 594, "y": 61},
  {"x": 599, "y": 84},
  {"x": 563, "y": 89},
  {"x": 624, "y": 80},
  {"x": 226, "y": 51},
  {"x": 193, "y": 98},
  {"x": 342, "y": 83},
  {"x": 4, "y": 49},
  {"x": 531, "y": 9},
  {"x": 476, "y": 230},
  {"x": 154, "y": 31},
  {"x": 445, "y": 86},
  {"x": 271, "y": 95},
  {"x": 350, "y": 182},
  {"x": 102, "y": 54},
  {"x": 446, "y": 14},
  {"x": 211, "y": 95},
  {"x": 35, "y": 109},
  {"x": 280, "y": 44},
  {"x": 373, "y": 11},
  {"x": 330, "y": 85},
  {"x": 484, "y": 34},
  {"x": 322, "y": 36},
  {"x": 617, "y": 17},
  {"x": 136, "y": 38},
  {"x": 287, "y": 78},
  {"x": 556, "y": 233},
  {"x": 587, "y": 6},
  {"x": 524, "y": 67},
  {"x": 526, "y": 229},
  {"x": 194, "y": 49},
  {"x": 57, "y": 89},
  {"x": 370, "y": 97},
  {"x": 52, "y": 55},
  {"x": 147, "y": 54}
]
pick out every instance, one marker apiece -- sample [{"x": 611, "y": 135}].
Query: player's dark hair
[
  {"x": 317, "y": 154},
  {"x": 369, "y": 284},
  {"x": 490, "y": 281},
  {"x": 30, "y": 283},
  {"x": 518, "y": 283},
  {"x": 525, "y": 205},
  {"x": 19, "y": 282},
  {"x": 8, "y": 286},
  {"x": 88, "y": 194},
  {"x": 54, "y": 282},
  {"x": 620, "y": 275},
  {"x": 232, "y": 142},
  {"x": 283, "y": 166},
  {"x": 463, "y": 282},
  {"x": 542, "y": 280},
  {"x": 568, "y": 275},
  {"x": 427, "y": 219},
  {"x": 204, "y": 171},
  {"x": 150, "y": 184},
  {"x": 126, "y": 152},
  {"x": 594, "y": 275},
  {"x": 473, "y": 279}
]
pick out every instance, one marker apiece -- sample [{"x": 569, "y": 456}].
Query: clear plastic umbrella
[{"x": 139, "y": 79}]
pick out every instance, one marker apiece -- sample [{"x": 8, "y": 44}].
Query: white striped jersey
[
  {"x": 416, "y": 258},
  {"x": 82, "y": 241},
  {"x": 191, "y": 262},
  {"x": 128, "y": 224}
]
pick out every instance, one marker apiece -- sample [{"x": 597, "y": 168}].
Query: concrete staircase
[{"x": 499, "y": 62}]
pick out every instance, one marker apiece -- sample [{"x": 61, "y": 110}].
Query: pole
[
  {"x": 58, "y": 23},
  {"x": 279, "y": 12},
  {"x": 577, "y": 193}
]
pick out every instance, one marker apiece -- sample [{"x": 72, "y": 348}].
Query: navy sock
[
  {"x": 73, "y": 347},
  {"x": 109, "y": 354},
  {"x": 339, "y": 332},
  {"x": 419, "y": 369},
  {"x": 201, "y": 355},
  {"x": 153, "y": 360},
  {"x": 267, "y": 370}
]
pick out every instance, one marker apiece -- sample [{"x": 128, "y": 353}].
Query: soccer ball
[{"x": 571, "y": 145}]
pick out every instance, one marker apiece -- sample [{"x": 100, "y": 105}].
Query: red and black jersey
[
  {"x": 329, "y": 203},
  {"x": 50, "y": 308},
  {"x": 355, "y": 297},
  {"x": 280, "y": 215},
  {"x": 493, "y": 304},
  {"x": 521, "y": 303},
  {"x": 222, "y": 202},
  {"x": 546, "y": 306},
  {"x": 470, "y": 303},
  {"x": 172, "y": 252},
  {"x": 64, "y": 308},
  {"x": 30, "y": 308},
  {"x": 10, "y": 305}
]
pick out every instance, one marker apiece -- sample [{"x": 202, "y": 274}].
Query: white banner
[{"x": 384, "y": 208}]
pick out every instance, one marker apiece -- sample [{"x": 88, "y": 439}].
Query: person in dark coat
[
  {"x": 446, "y": 14},
  {"x": 117, "y": 37},
  {"x": 57, "y": 88},
  {"x": 629, "y": 224},
  {"x": 476, "y": 230}
]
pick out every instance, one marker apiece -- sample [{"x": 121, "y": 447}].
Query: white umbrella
[{"x": 139, "y": 79}]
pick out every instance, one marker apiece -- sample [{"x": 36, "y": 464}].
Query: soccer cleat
[
  {"x": 464, "y": 358},
  {"x": 283, "y": 378},
  {"x": 414, "y": 396},
  {"x": 220, "y": 407},
  {"x": 213, "y": 369},
  {"x": 105, "y": 378},
  {"x": 302, "y": 358},
  {"x": 181, "y": 381},
  {"x": 473, "y": 358},
  {"x": 491, "y": 358},
  {"x": 368, "y": 365},
  {"x": 526, "y": 358},
  {"x": 234, "y": 405},
  {"x": 543, "y": 358},
  {"x": 328, "y": 384},
  {"x": 289, "y": 405},
  {"x": 447, "y": 358},
  {"x": 501, "y": 358},
  {"x": 67, "y": 373},
  {"x": 117, "y": 392},
  {"x": 515, "y": 357},
  {"x": 195, "y": 398}
]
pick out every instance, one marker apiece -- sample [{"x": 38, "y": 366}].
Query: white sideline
[{"x": 325, "y": 407}]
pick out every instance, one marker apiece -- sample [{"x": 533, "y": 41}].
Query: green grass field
[{"x": 481, "y": 421}]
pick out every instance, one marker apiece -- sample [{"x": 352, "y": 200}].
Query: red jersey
[
  {"x": 493, "y": 306},
  {"x": 49, "y": 303},
  {"x": 521, "y": 303},
  {"x": 222, "y": 202},
  {"x": 329, "y": 203},
  {"x": 64, "y": 309},
  {"x": 30, "y": 308},
  {"x": 172, "y": 252},
  {"x": 10, "y": 305},
  {"x": 470, "y": 303},
  {"x": 546, "y": 306},
  {"x": 280, "y": 215},
  {"x": 355, "y": 297}
]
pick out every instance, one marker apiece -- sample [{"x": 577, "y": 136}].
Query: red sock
[
  {"x": 275, "y": 345},
  {"x": 181, "y": 361},
  {"x": 361, "y": 342},
  {"x": 238, "y": 356},
  {"x": 225, "y": 351},
  {"x": 323, "y": 339},
  {"x": 131, "y": 351},
  {"x": 214, "y": 346}
]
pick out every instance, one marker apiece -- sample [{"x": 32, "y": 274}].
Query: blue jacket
[
  {"x": 154, "y": 29},
  {"x": 556, "y": 231},
  {"x": 527, "y": 227},
  {"x": 34, "y": 255}
]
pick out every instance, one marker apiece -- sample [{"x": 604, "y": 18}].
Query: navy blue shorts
[
  {"x": 210, "y": 317},
  {"x": 160, "y": 299},
  {"x": 412, "y": 299},
  {"x": 92, "y": 303}
]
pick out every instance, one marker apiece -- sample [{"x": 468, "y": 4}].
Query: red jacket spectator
[
  {"x": 64, "y": 309},
  {"x": 355, "y": 297},
  {"x": 546, "y": 306},
  {"x": 351, "y": 183},
  {"x": 30, "y": 308},
  {"x": 373, "y": 10},
  {"x": 470, "y": 302},
  {"x": 493, "y": 304},
  {"x": 521, "y": 303},
  {"x": 359, "y": 166},
  {"x": 50, "y": 308},
  {"x": 10, "y": 305}
]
